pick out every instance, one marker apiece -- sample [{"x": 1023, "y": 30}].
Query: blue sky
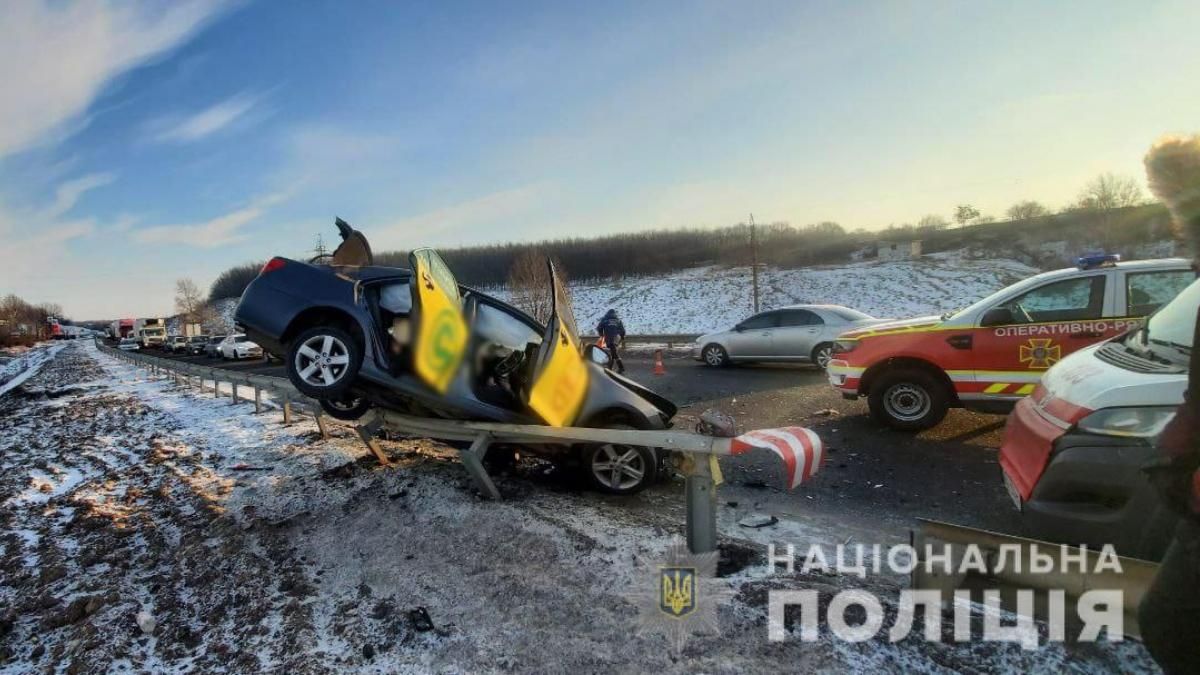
[{"x": 145, "y": 142}]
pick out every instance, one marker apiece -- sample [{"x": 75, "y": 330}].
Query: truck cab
[{"x": 993, "y": 353}]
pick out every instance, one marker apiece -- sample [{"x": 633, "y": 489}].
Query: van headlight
[{"x": 1141, "y": 422}]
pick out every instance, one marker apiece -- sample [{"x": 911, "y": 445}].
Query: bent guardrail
[{"x": 799, "y": 449}]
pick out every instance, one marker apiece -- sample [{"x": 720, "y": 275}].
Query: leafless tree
[
  {"x": 190, "y": 303},
  {"x": 1027, "y": 209},
  {"x": 932, "y": 222},
  {"x": 529, "y": 284},
  {"x": 1109, "y": 191}
]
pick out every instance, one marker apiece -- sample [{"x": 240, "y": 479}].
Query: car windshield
[{"x": 1167, "y": 335}]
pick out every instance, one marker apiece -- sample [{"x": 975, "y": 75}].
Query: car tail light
[{"x": 272, "y": 265}]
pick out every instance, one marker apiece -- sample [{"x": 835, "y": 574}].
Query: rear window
[{"x": 848, "y": 314}]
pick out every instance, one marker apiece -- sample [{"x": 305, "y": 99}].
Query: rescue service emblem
[
  {"x": 677, "y": 593},
  {"x": 1040, "y": 353}
]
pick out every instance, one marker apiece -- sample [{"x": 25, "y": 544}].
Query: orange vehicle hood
[{"x": 894, "y": 327}]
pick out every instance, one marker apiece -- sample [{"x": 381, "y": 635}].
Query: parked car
[
  {"x": 355, "y": 335},
  {"x": 993, "y": 353},
  {"x": 237, "y": 347},
  {"x": 798, "y": 333},
  {"x": 213, "y": 345},
  {"x": 1073, "y": 451},
  {"x": 128, "y": 344},
  {"x": 195, "y": 345},
  {"x": 175, "y": 344}
]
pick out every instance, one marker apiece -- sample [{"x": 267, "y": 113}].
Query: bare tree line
[{"x": 22, "y": 322}]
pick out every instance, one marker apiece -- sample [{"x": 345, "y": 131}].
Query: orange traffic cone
[{"x": 659, "y": 368}]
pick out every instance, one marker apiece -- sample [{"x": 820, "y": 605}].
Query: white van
[{"x": 1073, "y": 450}]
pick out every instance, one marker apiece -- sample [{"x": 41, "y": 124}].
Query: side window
[
  {"x": 396, "y": 298},
  {"x": 1147, "y": 291},
  {"x": 1067, "y": 300},
  {"x": 496, "y": 325},
  {"x": 799, "y": 317},
  {"x": 764, "y": 320}
]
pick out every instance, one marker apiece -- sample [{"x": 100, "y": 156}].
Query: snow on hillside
[{"x": 704, "y": 299}]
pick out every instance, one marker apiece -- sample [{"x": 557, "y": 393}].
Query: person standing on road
[
  {"x": 1169, "y": 612},
  {"x": 613, "y": 331}
]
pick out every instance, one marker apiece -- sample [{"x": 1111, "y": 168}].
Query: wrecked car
[{"x": 355, "y": 335}]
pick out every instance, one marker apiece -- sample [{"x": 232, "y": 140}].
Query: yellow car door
[
  {"x": 560, "y": 380},
  {"x": 441, "y": 334}
]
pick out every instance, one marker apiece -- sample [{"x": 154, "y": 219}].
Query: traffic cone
[{"x": 659, "y": 368}]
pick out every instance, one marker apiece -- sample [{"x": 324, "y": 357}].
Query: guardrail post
[
  {"x": 321, "y": 423},
  {"x": 472, "y": 458},
  {"x": 233, "y": 385},
  {"x": 701, "y": 504},
  {"x": 216, "y": 387},
  {"x": 367, "y": 432},
  {"x": 287, "y": 410},
  {"x": 257, "y": 401}
]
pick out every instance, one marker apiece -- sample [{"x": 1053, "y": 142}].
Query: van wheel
[
  {"x": 323, "y": 361},
  {"x": 908, "y": 400},
  {"x": 348, "y": 408},
  {"x": 619, "y": 469}
]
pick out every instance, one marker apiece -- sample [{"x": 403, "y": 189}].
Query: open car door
[
  {"x": 560, "y": 380},
  {"x": 441, "y": 335},
  {"x": 354, "y": 249}
]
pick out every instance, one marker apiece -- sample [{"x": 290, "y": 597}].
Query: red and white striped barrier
[{"x": 800, "y": 449}]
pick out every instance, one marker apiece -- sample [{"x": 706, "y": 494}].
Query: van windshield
[{"x": 1169, "y": 332}]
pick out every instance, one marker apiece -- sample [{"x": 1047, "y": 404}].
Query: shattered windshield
[{"x": 1168, "y": 334}]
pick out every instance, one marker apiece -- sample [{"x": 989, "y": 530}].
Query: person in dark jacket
[
  {"x": 613, "y": 331},
  {"x": 1170, "y": 612}
]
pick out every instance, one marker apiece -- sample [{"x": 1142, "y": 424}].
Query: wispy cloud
[
  {"x": 68, "y": 193},
  {"x": 478, "y": 213},
  {"x": 208, "y": 121},
  {"x": 34, "y": 239},
  {"x": 81, "y": 46},
  {"x": 220, "y": 231}
]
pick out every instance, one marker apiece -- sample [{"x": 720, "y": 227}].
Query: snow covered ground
[
  {"x": 246, "y": 546},
  {"x": 14, "y": 370},
  {"x": 705, "y": 299}
]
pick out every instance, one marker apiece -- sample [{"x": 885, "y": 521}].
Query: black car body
[
  {"x": 211, "y": 347},
  {"x": 195, "y": 345},
  {"x": 373, "y": 310}
]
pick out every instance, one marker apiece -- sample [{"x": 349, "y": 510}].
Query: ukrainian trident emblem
[{"x": 677, "y": 595}]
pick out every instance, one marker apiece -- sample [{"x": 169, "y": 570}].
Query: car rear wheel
[
  {"x": 619, "y": 469},
  {"x": 348, "y": 408},
  {"x": 323, "y": 361},
  {"x": 908, "y": 400},
  {"x": 822, "y": 354},
  {"x": 715, "y": 356}
]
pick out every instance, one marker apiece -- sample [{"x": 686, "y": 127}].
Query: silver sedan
[{"x": 799, "y": 334}]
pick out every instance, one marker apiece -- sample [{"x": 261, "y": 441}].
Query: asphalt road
[{"x": 874, "y": 478}]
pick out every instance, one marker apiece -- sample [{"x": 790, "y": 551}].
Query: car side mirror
[
  {"x": 997, "y": 316},
  {"x": 597, "y": 355}
]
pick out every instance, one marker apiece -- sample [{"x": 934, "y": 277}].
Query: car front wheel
[
  {"x": 619, "y": 469},
  {"x": 715, "y": 356},
  {"x": 908, "y": 400},
  {"x": 348, "y": 408},
  {"x": 323, "y": 361}
]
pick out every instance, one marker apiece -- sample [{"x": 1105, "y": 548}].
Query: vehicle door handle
[
  {"x": 961, "y": 341},
  {"x": 1086, "y": 334}
]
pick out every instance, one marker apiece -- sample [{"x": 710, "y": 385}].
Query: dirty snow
[
  {"x": 25, "y": 364},
  {"x": 131, "y": 541}
]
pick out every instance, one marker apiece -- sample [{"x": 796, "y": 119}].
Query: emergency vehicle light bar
[{"x": 1094, "y": 260}]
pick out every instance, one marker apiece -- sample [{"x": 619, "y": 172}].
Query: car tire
[
  {"x": 822, "y": 354},
  {"x": 348, "y": 408},
  {"x": 342, "y": 356},
  {"x": 714, "y": 355},
  {"x": 908, "y": 400},
  {"x": 619, "y": 469}
]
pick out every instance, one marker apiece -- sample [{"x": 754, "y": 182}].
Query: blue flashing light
[{"x": 1093, "y": 260}]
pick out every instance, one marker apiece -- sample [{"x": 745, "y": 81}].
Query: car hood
[
  {"x": 1084, "y": 382},
  {"x": 887, "y": 326}
]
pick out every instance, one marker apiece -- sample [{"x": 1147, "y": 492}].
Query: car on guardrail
[{"x": 355, "y": 335}]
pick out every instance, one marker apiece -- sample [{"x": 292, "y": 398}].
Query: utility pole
[{"x": 754, "y": 261}]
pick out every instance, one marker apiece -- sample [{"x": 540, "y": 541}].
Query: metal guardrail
[{"x": 700, "y": 486}]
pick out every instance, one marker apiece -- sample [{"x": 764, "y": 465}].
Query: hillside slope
[{"x": 709, "y": 298}]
